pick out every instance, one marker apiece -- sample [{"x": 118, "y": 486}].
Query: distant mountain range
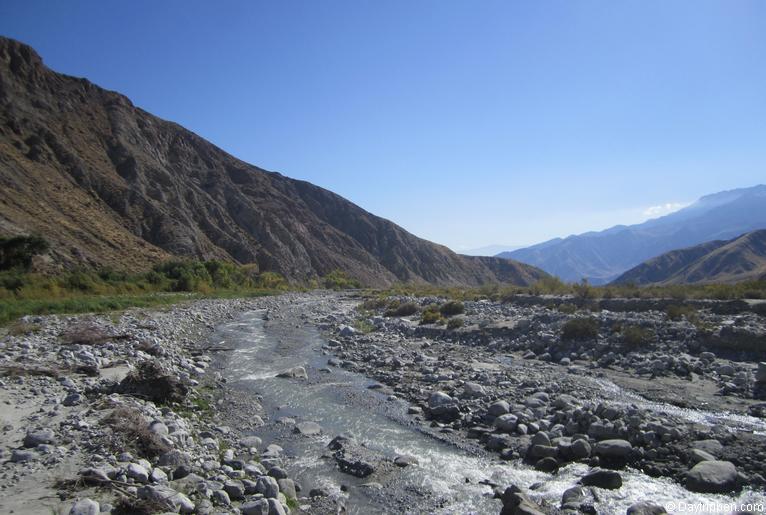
[
  {"x": 739, "y": 259},
  {"x": 490, "y": 250},
  {"x": 603, "y": 256},
  {"x": 109, "y": 184}
]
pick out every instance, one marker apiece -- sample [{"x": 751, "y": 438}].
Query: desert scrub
[
  {"x": 363, "y": 325},
  {"x": 452, "y": 308},
  {"x": 373, "y": 304},
  {"x": 339, "y": 280},
  {"x": 636, "y": 337},
  {"x": 580, "y": 329},
  {"x": 402, "y": 310},
  {"x": 431, "y": 315},
  {"x": 455, "y": 323},
  {"x": 567, "y": 307}
]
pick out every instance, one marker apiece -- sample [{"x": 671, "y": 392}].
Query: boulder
[
  {"x": 613, "y": 449},
  {"x": 85, "y": 507},
  {"x": 600, "y": 478},
  {"x": 646, "y": 508},
  {"x": 713, "y": 477},
  {"x": 294, "y": 373}
]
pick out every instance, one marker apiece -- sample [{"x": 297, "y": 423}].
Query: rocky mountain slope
[
  {"x": 603, "y": 256},
  {"x": 110, "y": 184},
  {"x": 740, "y": 259}
]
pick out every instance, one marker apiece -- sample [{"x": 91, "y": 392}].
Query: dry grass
[{"x": 131, "y": 432}]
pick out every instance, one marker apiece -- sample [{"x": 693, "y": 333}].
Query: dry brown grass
[{"x": 131, "y": 432}]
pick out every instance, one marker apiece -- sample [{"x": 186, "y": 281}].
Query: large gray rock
[
  {"x": 516, "y": 502},
  {"x": 41, "y": 436},
  {"x": 275, "y": 507},
  {"x": 712, "y": 477},
  {"x": 506, "y": 423},
  {"x": 294, "y": 373},
  {"x": 85, "y": 507},
  {"x": 257, "y": 507},
  {"x": 473, "y": 390},
  {"x": 613, "y": 449},
  {"x": 498, "y": 408},
  {"x": 646, "y": 508},
  {"x": 137, "y": 473},
  {"x": 608, "y": 479},
  {"x": 267, "y": 486},
  {"x": 443, "y": 407}
]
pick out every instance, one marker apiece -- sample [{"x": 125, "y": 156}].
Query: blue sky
[{"x": 468, "y": 123}]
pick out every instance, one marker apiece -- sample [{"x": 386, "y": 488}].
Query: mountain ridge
[
  {"x": 721, "y": 261},
  {"x": 113, "y": 185},
  {"x": 604, "y": 255}
]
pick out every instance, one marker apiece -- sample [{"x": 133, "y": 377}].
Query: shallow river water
[{"x": 446, "y": 480}]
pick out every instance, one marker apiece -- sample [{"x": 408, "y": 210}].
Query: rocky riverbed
[{"x": 316, "y": 403}]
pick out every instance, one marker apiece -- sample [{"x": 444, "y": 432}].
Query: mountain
[
  {"x": 490, "y": 250},
  {"x": 603, "y": 256},
  {"x": 740, "y": 259},
  {"x": 108, "y": 183}
]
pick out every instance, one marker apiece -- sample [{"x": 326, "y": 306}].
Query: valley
[{"x": 336, "y": 406}]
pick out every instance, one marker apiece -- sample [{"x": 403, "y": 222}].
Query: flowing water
[{"x": 446, "y": 480}]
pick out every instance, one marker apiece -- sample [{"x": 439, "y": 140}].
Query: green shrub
[
  {"x": 402, "y": 310},
  {"x": 431, "y": 315},
  {"x": 455, "y": 323},
  {"x": 271, "y": 281},
  {"x": 17, "y": 251},
  {"x": 567, "y": 307},
  {"x": 373, "y": 304},
  {"x": 452, "y": 308},
  {"x": 580, "y": 329},
  {"x": 634, "y": 336},
  {"x": 339, "y": 280}
]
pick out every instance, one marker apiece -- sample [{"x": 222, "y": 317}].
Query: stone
[
  {"x": 257, "y": 507},
  {"x": 506, "y": 423},
  {"x": 294, "y": 373},
  {"x": 250, "y": 442},
  {"x": 613, "y": 449},
  {"x": 22, "y": 456},
  {"x": 608, "y": 479},
  {"x": 646, "y": 508},
  {"x": 405, "y": 461},
  {"x": 473, "y": 390},
  {"x": 713, "y": 477},
  {"x": 267, "y": 486},
  {"x": 443, "y": 407},
  {"x": 174, "y": 458},
  {"x": 275, "y": 507},
  {"x": 698, "y": 455},
  {"x": 220, "y": 497},
  {"x": 73, "y": 399},
  {"x": 515, "y": 502},
  {"x": 580, "y": 449},
  {"x": 307, "y": 428},
  {"x": 548, "y": 464},
  {"x": 287, "y": 487},
  {"x": 85, "y": 507},
  {"x": 235, "y": 489},
  {"x": 498, "y": 408},
  {"x": 137, "y": 473},
  {"x": 41, "y": 436},
  {"x": 277, "y": 472},
  {"x": 346, "y": 330}
]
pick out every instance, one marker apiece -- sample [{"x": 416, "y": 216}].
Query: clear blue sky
[{"x": 468, "y": 123}]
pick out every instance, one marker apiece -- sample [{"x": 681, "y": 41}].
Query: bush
[
  {"x": 583, "y": 290},
  {"x": 431, "y": 315},
  {"x": 271, "y": 281},
  {"x": 17, "y": 252},
  {"x": 580, "y": 329},
  {"x": 373, "y": 304},
  {"x": 455, "y": 323},
  {"x": 452, "y": 308},
  {"x": 403, "y": 310},
  {"x": 634, "y": 336},
  {"x": 567, "y": 307},
  {"x": 339, "y": 280}
]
